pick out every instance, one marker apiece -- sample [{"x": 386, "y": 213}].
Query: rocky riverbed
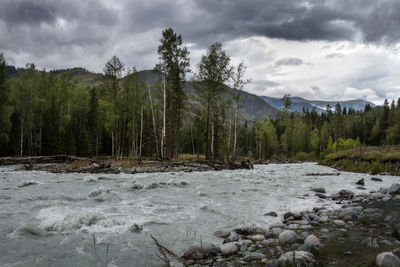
[{"x": 365, "y": 231}]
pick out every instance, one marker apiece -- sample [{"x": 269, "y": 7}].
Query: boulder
[
  {"x": 308, "y": 248},
  {"x": 256, "y": 237},
  {"x": 378, "y": 195},
  {"x": 387, "y": 259},
  {"x": 361, "y": 181},
  {"x": 352, "y": 212},
  {"x": 221, "y": 233},
  {"x": 346, "y": 194},
  {"x": 322, "y": 196},
  {"x": 271, "y": 213},
  {"x": 302, "y": 258},
  {"x": 288, "y": 237},
  {"x": 249, "y": 230},
  {"x": 253, "y": 256},
  {"x": 228, "y": 249},
  {"x": 318, "y": 189},
  {"x": 339, "y": 223},
  {"x": 394, "y": 189},
  {"x": 201, "y": 252},
  {"x": 313, "y": 240},
  {"x": 376, "y": 179}
]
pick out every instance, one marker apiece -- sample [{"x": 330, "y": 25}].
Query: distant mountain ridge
[{"x": 299, "y": 103}]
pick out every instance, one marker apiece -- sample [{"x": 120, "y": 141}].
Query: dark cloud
[{"x": 289, "y": 62}]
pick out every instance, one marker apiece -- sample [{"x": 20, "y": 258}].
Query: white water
[{"x": 49, "y": 219}]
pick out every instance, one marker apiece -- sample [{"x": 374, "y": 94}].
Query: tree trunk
[
  {"x": 234, "y": 129},
  {"x": 22, "y": 136},
  {"x": 154, "y": 120},
  {"x": 141, "y": 133},
  {"x": 163, "y": 145}
]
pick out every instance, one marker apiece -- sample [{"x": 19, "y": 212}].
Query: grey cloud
[{"x": 289, "y": 62}]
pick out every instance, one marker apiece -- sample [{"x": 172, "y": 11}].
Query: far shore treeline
[{"x": 124, "y": 115}]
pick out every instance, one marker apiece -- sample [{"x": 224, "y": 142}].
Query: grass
[{"x": 373, "y": 159}]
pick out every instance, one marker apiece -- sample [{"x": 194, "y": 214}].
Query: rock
[
  {"x": 318, "y": 189},
  {"x": 339, "y": 222},
  {"x": 376, "y": 179},
  {"x": 313, "y": 240},
  {"x": 288, "y": 237},
  {"x": 373, "y": 217},
  {"x": 378, "y": 195},
  {"x": 352, "y": 212},
  {"x": 278, "y": 224},
  {"x": 176, "y": 264},
  {"x": 276, "y": 231},
  {"x": 271, "y": 213},
  {"x": 348, "y": 253},
  {"x": 308, "y": 248},
  {"x": 361, "y": 181},
  {"x": 250, "y": 230},
  {"x": 303, "y": 235},
  {"x": 361, "y": 188},
  {"x": 288, "y": 215},
  {"x": 302, "y": 258},
  {"x": 396, "y": 198},
  {"x": 221, "y": 233},
  {"x": 293, "y": 226},
  {"x": 320, "y": 195},
  {"x": 228, "y": 249},
  {"x": 233, "y": 236},
  {"x": 396, "y": 252},
  {"x": 273, "y": 263},
  {"x": 387, "y": 259},
  {"x": 346, "y": 194},
  {"x": 256, "y": 237},
  {"x": 385, "y": 243},
  {"x": 394, "y": 189},
  {"x": 201, "y": 252},
  {"x": 253, "y": 256},
  {"x": 306, "y": 227}
]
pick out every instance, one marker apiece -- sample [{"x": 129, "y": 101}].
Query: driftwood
[
  {"x": 164, "y": 251},
  {"x": 44, "y": 159}
]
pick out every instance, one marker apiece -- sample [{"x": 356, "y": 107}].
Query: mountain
[
  {"x": 253, "y": 107},
  {"x": 299, "y": 103}
]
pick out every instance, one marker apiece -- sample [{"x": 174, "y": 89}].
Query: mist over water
[{"x": 49, "y": 219}]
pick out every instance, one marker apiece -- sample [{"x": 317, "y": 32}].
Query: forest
[{"x": 126, "y": 116}]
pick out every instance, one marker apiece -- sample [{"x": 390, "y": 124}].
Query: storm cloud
[{"x": 68, "y": 33}]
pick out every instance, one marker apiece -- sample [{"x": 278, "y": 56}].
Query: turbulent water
[{"x": 98, "y": 220}]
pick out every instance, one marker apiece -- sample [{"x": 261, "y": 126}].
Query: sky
[{"x": 316, "y": 49}]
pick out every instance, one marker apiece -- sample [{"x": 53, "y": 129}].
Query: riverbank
[
  {"x": 73, "y": 164},
  {"x": 374, "y": 160},
  {"x": 366, "y": 225}
]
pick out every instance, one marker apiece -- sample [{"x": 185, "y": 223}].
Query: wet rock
[
  {"x": 136, "y": 187},
  {"x": 250, "y": 230},
  {"x": 256, "y": 237},
  {"x": 318, "y": 189},
  {"x": 306, "y": 227},
  {"x": 253, "y": 256},
  {"x": 322, "y": 196},
  {"x": 396, "y": 198},
  {"x": 293, "y": 226},
  {"x": 387, "y": 259},
  {"x": 233, "y": 236},
  {"x": 228, "y": 249},
  {"x": 271, "y": 213},
  {"x": 361, "y": 181},
  {"x": 32, "y": 230},
  {"x": 308, "y": 248},
  {"x": 373, "y": 217},
  {"x": 221, "y": 233},
  {"x": 313, "y": 240},
  {"x": 176, "y": 264},
  {"x": 346, "y": 194},
  {"x": 135, "y": 228},
  {"x": 276, "y": 231},
  {"x": 378, "y": 195},
  {"x": 339, "y": 222},
  {"x": 302, "y": 258},
  {"x": 351, "y": 212},
  {"x": 394, "y": 189},
  {"x": 303, "y": 235},
  {"x": 288, "y": 237},
  {"x": 287, "y": 215},
  {"x": 376, "y": 179},
  {"x": 28, "y": 183},
  {"x": 361, "y": 188},
  {"x": 201, "y": 252},
  {"x": 274, "y": 263}
]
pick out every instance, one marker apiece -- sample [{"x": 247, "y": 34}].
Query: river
[{"x": 51, "y": 219}]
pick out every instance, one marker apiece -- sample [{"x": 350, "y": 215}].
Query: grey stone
[
  {"x": 250, "y": 230},
  {"x": 288, "y": 237},
  {"x": 394, "y": 189},
  {"x": 352, "y": 212},
  {"x": 307, "y": 247},
  {"x": 347, "y": 194},
  {"x": 254, "y": 256},
  {"x": 313, "y": 240},
  {"x": 271, "y": 213},
  {"x": 256, "y": 237},
  {"x": 306, "y": 227},
  {"x": 301, "y": 258},
  {"x": 200, "y": 252},
  {"x": 387, "y": 259},
  {"x": 303, "y": 235},
  {"x": 318, "y": 189},
  {"x": 339, "y": 222},
  {"x": 228, "y": 249},
  {"x": 222, "y": 233},
  {"x": 371, "y": 217}
]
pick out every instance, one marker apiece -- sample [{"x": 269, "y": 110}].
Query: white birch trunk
[{"x": 154, "y": 120}]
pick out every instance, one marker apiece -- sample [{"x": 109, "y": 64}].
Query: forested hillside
[{"x": 159, "y": 114}]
